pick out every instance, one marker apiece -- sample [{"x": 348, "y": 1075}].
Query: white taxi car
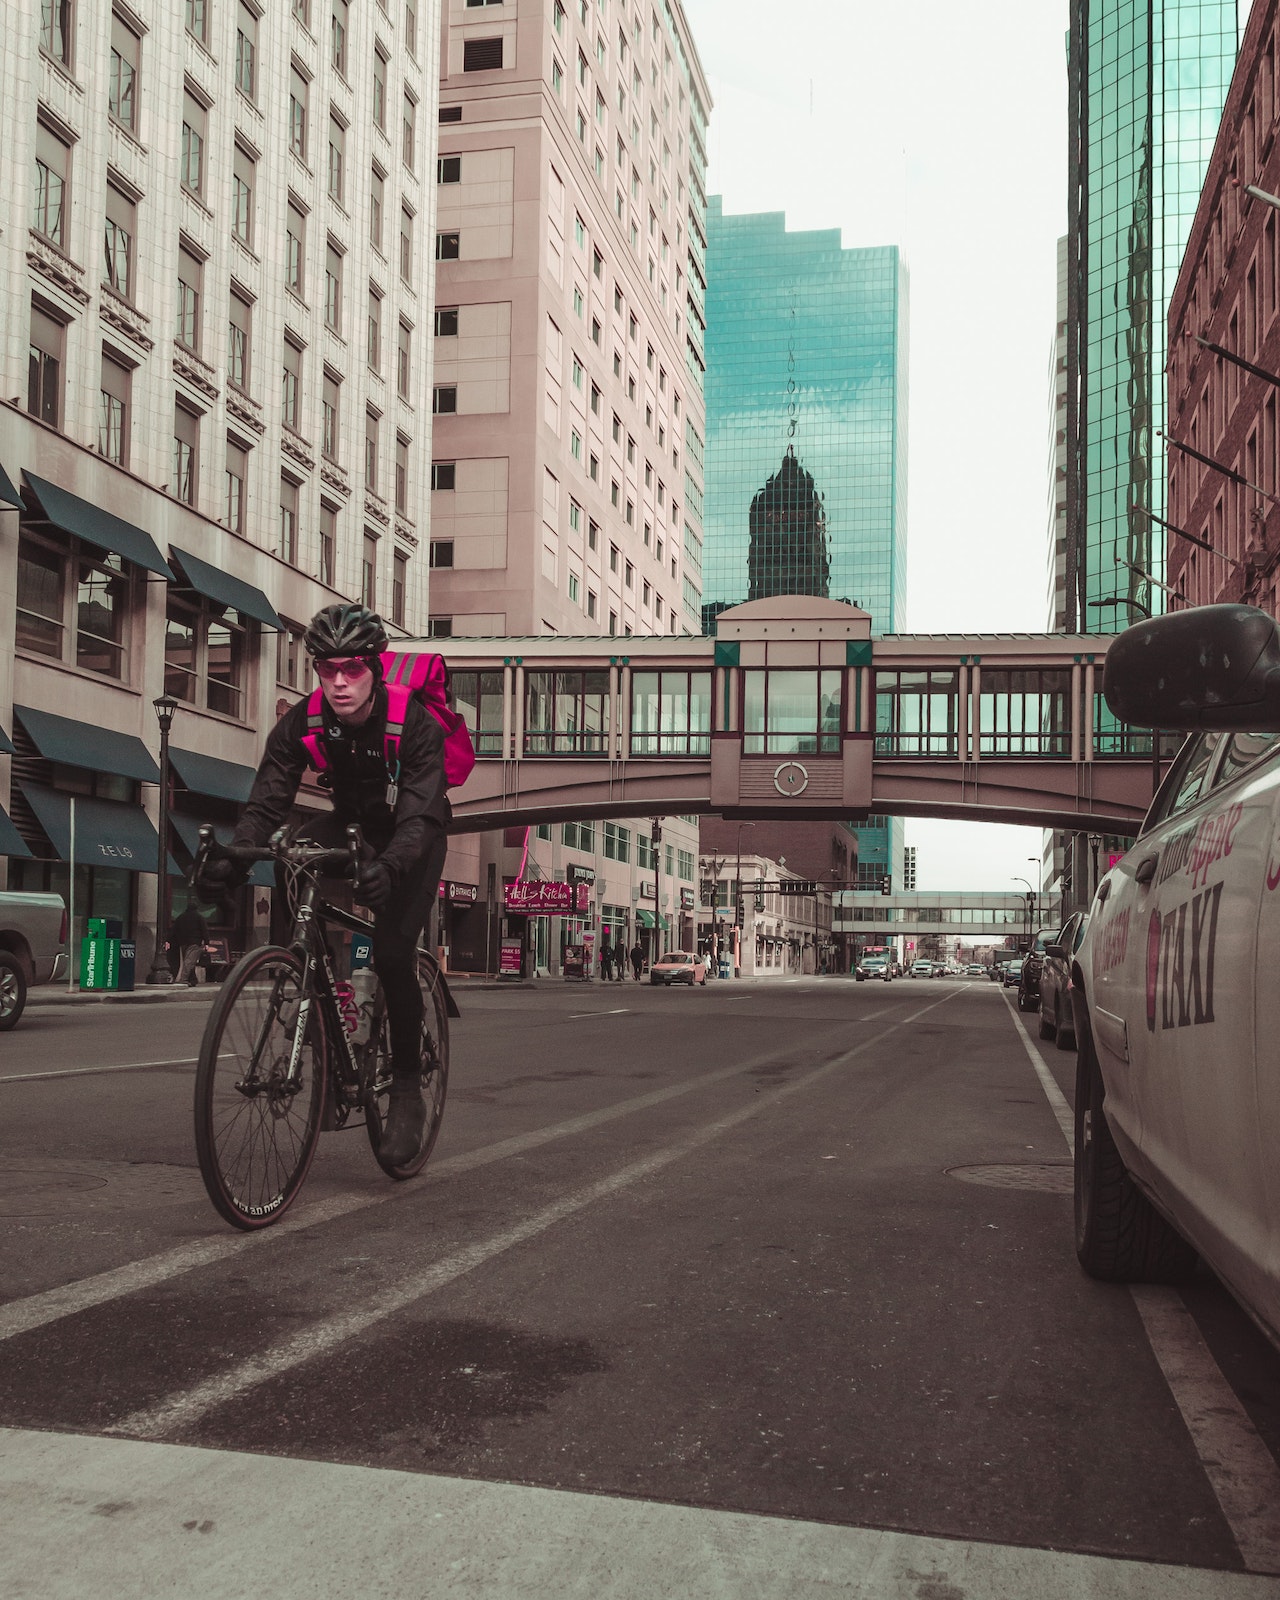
[
  {"x": 679, "y": 966},
  {"x": 1177, "y": 1009}
]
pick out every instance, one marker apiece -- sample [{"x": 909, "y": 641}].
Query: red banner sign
[{"x": 542, "y": 897}]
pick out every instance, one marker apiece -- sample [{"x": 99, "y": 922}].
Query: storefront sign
[
  {"x": 686, "y": 899},
  {"x": 575, "y": 962},
  {"x": 579, "y": 874},
  {"x": 510, "y": 958},
  {"x": 462, "y": 894},
  {"x": 648, "y": 889},
  {"x": 543, "y": 897}
]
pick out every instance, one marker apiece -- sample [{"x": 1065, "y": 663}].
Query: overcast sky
[{"x": 941, "y": 128}]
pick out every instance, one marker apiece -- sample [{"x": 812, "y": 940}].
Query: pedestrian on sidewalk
[
  {"x": 620, "y": 959},
  {"x": 187, "y": 935},
  {"x": 637, "y": 960},
  {"x": 606, "y": 960}
]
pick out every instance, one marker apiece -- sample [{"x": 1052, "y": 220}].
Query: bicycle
[{"x": 279, "y": 1062}]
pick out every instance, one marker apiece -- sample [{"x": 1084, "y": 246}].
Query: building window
[
  {"x": 53, "y": 167},
  {"x": 442, "y": 552},
  {"x": 296, "y": 251},
  {"x": 243, "y": 177},
  {"x": 337, "y": 159},
  {"x": 448, "y": 246},
  {"x": 288, "y": 546},
  {"x": 617, "y": 842},
  {"x": 44, "y": 367},
  {"x": 190, "y": 282},
  {"x": 73, "y": 603},
  {"x": 373, "y": 330},
  {"x": 593, "y": 533},
  {"x": 239, "y": 341},
  {"x": 399, "y": 586},
  {"x": 246, "y": 51},
  {"x": 194, "y": 128},
  {"x": 377, "y": 196},
  {"x": 339, "y": 22},
  {"x": 444, "y": 474},
  {"x": 411, "y": 26},
  {"x": 481, "y": 55},
  {"x": 113, "y": 411},
  {"x": 446, "y": 322},
  {"x": 449, "y": 169},
  {"x": 237, "y": 480},
  {"x": 380, "y": 91},
  {"x": 573, "y": 587},
  {"x": 197, "y": 19},
  {"x": 186, "y": 455},
  {"x": 591, "y": 603},
  {"x": 557, "y": 75},
  {"x": 56, "y": 29},
  {"x": 440, "y": 628},
  {"x": 409, "y": 133},
  {"x": 449, "y": 114},
  {"x": 402, "y": 475},
  {"x": 121, "y": 229},
  {"x": 328, "y": 539},
  {"x": 331, "y": 405},
  {"x": 302, "y": 11},
  {"x": 297, "y": 114},
  {"x": 291, "y": 386},
  {"x": 404, "y": 349},
  {"x": 122, "y": 87},
  {"x": 369, "y": 573},
  {"x": 371, "y": 435},
  {"x": 444, "y": 399},
  {"x": 205, "y": 655},
  {"x": 333, "y": 287},
  {"x": 406, "y": 243}
]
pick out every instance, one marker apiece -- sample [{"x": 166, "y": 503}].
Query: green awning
[
  {"x": 644, "y": 918},
  {"x": 217, "y": 585},
  {"x": 224, "y": 780},
  {"x": 109, "y": 833},
  {"x": 7, "y": 491},
  {"x": 188, "y": 830},
  {"x": 11, "y": 841},
  {"x": 103, "y": 528},
  {"x": 80, "y": 744}
]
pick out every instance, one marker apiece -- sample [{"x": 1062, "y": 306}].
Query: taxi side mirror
[
  {"x": 1058, "y": 950},
  {"x": 1210, "y": 667}
]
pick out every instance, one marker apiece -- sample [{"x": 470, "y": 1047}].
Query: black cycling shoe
[{"x": 406, "y": 1119}]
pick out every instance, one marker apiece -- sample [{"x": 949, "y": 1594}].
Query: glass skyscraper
[
  {"x": 806, "y": 448},
  {"x": 1148, "y": 80}
]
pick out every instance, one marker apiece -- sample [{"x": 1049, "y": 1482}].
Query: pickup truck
[{"x": 33, "y": 948}]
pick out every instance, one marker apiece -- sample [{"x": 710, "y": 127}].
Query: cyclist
[{"x": 404, "y": 823}]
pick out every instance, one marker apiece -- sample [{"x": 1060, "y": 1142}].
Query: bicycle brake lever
[{"x": 354, "y": 846}]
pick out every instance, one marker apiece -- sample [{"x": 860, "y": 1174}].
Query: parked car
[
  {"x": 33, "y": 948},
  {"x": 1011, "y": 975},
  {"x": 1176, "y": 1007},
  {"x": 1056, "y": 1021},
  {"x": 1029, "y": 982},
  {"x": 678, "y": 966},
  {"x": 873, "y": 967},
  {"x": 922, "y": 969}
]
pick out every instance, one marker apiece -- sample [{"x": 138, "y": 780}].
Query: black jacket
[{"x": 357, "y": 774}]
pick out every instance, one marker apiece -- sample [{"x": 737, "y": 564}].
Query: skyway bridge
[{"x": 794, "y": 710}]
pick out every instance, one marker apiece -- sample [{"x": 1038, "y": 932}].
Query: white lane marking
[
  {"x": 620, "y": 1011},
  {"x": 1241, "y": 1469},
  {"x": 80, "y": 1072},
  {"x": 1057, "y": 1100},
  {"x": 19, "y": 1316},
  {"x": 186, "y": 1407},
  {"x": 260, "y": 1514}
]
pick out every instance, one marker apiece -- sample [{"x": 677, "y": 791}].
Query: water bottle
[{"x": 364, "y": 985}]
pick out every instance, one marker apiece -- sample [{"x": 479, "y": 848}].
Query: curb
[{"x": 161, "y": 995}]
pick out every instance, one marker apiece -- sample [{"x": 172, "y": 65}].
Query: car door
[
  {"x": 1117, "y": 949},
  {"x": 1200, "y": 1142}
]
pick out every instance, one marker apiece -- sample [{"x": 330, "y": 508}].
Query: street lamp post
[
  {"x": 737, "y": 902},
  {"x": 1029, "y": 905},
  {"x": 165, "y": 706},
  {"x": 1095, "y": 844},
  {"x": 656, "y": 826}
]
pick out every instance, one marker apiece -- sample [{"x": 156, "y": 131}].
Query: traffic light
[
  {"x": 759, "y": 903},
  {"x": 740, "y": 913},
  {"x": 886, "y": 886}
]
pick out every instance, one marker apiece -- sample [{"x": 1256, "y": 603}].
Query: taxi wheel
[
  {"x": 1120, "y": 1236},
  {"x": 1047, "y": 1029}
]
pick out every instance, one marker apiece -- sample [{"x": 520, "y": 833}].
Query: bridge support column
[
  {"x": 508, "y": 709},
  {"x": 1087, "y": 753},
  {"x": 975, "y": 713},
  {"x": 1077, "y": 711},
  {"x": 624, "y": 711},
  {"x": 518, "y": 712},
  {"x": 962, "y": 712}
]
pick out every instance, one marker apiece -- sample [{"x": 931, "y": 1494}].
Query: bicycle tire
[
  {"x": 255, "y": 1148},
  {"x": 435, "y": 1073}
]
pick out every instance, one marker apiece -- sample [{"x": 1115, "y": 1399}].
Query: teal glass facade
[
  {"x": 806, "y": 394},
  {"x": 806, "y": 447},
  {"x": 1149, "y": 81}
]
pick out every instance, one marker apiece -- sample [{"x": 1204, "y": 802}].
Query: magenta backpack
[{"x": 408, "y": 677}]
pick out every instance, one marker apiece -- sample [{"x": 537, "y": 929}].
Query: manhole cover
[
  {"x": 1046, "y": 1177},
  {"x": 35, "y": 1188}
]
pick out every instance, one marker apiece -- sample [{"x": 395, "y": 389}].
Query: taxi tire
[
  {"x": 1120, "y": 1236},
  {"x": 1047, "y": 1029}
]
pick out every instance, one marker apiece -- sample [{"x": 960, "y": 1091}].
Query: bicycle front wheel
[
  {"x": 258, "y": 1123},
  {"x": 435, "y": 1073}
]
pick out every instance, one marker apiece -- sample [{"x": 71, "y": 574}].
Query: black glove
[
  {"x": 218, "y": 874},
  {"x": 376, "y": 884}
]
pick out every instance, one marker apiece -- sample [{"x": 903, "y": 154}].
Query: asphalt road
[{"x": 758, "y": 1289}]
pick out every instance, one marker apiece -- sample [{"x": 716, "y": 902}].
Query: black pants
[{"x": 396, "y": 931}]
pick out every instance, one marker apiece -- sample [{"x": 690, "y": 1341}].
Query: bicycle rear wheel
[
  {"x": 257, "y": 1128},
  {"x": 435, "y": 1073}
]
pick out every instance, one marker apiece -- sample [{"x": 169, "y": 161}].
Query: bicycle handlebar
[{"x": 299, "y": 853}]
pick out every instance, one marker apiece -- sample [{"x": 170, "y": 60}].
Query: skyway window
[
  {"x": 916, "y": 713},
  {"x": 792, "y": 713},
  {"x": 567, "y": 713},
  {"x": 670, "y": 713}
]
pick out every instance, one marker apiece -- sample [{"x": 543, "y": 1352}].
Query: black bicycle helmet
[{"x": 345, "y": 630}]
